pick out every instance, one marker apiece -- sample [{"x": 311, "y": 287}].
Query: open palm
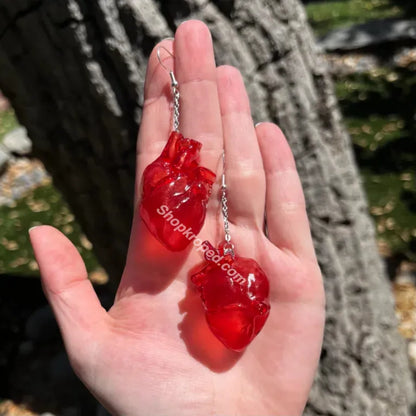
[{"x": 152, "y": 353}]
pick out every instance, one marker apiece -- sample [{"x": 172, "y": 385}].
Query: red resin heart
[
  {"x": 236, "y": 302},
  {"x": 175, "y": 193}
]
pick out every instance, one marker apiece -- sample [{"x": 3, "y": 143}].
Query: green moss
[
  {"x": 43, "y": 205},
  {"x": 327, "y": 15},
  {"x": 7, "y": 122},
  {"x": 371, "y": 134},
  {"x": 359, "y": 87},
  {"x": 378, "y": 109},
  {"x": 392, "y": 199}
]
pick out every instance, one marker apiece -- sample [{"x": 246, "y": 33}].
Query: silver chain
[
  {"x": 229, "y": 246},
  {"x": 176, "y": 96}
]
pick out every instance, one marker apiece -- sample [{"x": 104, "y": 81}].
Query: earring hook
[
  {"x": 170, "y": 71},
  {"x": 174, "y": 85}
]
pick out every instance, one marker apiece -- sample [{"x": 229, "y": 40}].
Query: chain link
[
  {"x": 228, "y": 247},
  {"x": 176, "y": 96}
]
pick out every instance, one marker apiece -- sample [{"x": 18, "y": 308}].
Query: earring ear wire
[
  {"x": 174, "y": 82},
  {"x": 174, "y": 85}
]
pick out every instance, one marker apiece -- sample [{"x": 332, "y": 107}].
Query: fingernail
[
  {"x": 258, "y": 124},
  {"x": 32, "y": 228}
]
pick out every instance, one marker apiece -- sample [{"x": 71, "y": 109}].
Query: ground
[{"x": 41, "y": 204}]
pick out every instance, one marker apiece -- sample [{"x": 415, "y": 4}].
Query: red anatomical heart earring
[
  {"x": 175, "y": 188},
  {"x": 233, "y": 289}
]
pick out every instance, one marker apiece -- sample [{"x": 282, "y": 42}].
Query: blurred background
[{"x": 370, "y": 46}]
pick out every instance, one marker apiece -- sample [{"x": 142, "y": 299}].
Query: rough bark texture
[{"x": 74, "y": 72}]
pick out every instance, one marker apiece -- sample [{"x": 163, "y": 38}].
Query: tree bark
[{"x": 74, "y": 71}]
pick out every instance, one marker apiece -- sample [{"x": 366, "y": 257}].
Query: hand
[{"x": 152, "y": 353}]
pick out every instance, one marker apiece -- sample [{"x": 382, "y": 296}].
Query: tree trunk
[{"x": 74, "y": 72}]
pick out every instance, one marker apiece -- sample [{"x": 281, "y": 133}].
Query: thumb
[{"x": 75, "y": 304}]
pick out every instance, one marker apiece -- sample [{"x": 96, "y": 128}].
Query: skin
[{"x": 152, "y": 353}]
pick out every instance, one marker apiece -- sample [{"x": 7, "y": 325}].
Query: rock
[
  {"x": 406, "y": 273},
  {"x": 405, "y": 277},
  {"x": 351, "y": 63},
  {"x": 41, "y": 326},
  {"x": 18, "y": 142},
  {"x": 405, "y": 58},
  {"x": 369, "y": 34},
  {"x": 22, "y": 175}
]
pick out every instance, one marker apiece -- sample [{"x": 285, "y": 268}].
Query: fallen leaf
[
  {"x": 33, "y": 265},
  {"x": 406, "y": 177},
  {"x": 39, "y": 206},
  {"x": 85, "y": 242},
  {"x": 377, "y": 211},
  {"x": 67, "y": 229},
  {"x": 390, "y": 223},
  {"x": 18, "y": 262},
  {"x": 99, "y": 276},
  {"x": 9, "y": 244}
]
